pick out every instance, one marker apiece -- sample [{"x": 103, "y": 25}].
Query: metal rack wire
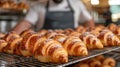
[{"x": 9, "y": 60}]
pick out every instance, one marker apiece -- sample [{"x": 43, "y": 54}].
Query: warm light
[
  {"x": 95, "y": 2},
  {"x": 114, "y": 2},
  {"x": 114, "y": 17}
]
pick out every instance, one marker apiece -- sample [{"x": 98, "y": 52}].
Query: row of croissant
[
  {"x": 13, "y": 5},
  {"x": 98, "y": 61},
  {"x": 56, "y": 45}
]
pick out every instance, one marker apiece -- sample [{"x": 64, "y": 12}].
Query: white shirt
[{"x": 36, "y": 14}]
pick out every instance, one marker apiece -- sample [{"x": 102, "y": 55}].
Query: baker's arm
[
  {"x": 20, "y": 27},
  {"x": 85, "y": 16}
]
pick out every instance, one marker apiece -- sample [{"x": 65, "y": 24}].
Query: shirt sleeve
[
  {"x": 84, "y": 14},
  {"x": 32, "y": 15}
]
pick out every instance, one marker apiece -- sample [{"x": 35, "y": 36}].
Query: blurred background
[{"x": 102, "y": 11}]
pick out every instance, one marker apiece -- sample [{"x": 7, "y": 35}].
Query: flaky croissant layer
[{"x": 51, "y": 51}]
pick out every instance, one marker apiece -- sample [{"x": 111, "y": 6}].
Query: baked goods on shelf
[
  {"x": 94, "y": 62},
  {"x": 109, "y": 61},
  {"x": 100, "y": 58},
  {"x": 91, "y": 41},
  {"x": 12, "y": 5},
  {"x": 82, "y": 65},
  {"x": 22, "y": 6}
]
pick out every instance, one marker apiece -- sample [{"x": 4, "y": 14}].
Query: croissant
[
  {"x": 68, "y": 31},
  {"x": 76, "y": 34},
  {"x": 82, "y": 65},
  {"x": 74, "y": 46},
  {"x": 95, "y": 64},
  {"x": 27, "y": 33},
  {"x": 2, "y": 35},
  {"x": 100, "y": 58},
  {"x": 112, "y": 27},
  {"x": 108, "y": 38},
  {"x": 42, "y": 32},
  {"x": 94, "y": 32},
  {"x": 91, "y": 41},
  {"x": 50, "y": 34},
  {"x": 32, "y": 42},
  {"x": 38, "y": 42},
  {"x": 56, "y": 36},
  {"x": 51, "y": 51},
  {"x": 3, "y": 44},
  {"x": 106, "y": 66},
  {"x": 117, "y": 32},
  {"x": 109, "y": 61},
  {"x": 24, "y": 49},
  {"x": 80, "y": 29},
  {"x": 13, "y": 40},
  {"x": 59, "y": 31},
  {"x": 99, "y": 27}
]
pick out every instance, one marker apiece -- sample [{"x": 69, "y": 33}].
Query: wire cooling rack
[{"x": 10, "y": 60}]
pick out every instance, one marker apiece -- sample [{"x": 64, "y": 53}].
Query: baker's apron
[{"x": 59, "y": 19}]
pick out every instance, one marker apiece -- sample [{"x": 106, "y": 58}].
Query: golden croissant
[
  {"x": 33, "y": 41},
  {"x": 42, "y": 32},
  {"x": 108, "y": 38},
  {"x": 51, "y": 51},
  {"x": 3, "y": 44},
  {"x": 14, "y": 41},
  {"x": 74, "y": 46},
  {"x": 2, "y": 35},
  {"x": 112, "y": 27},
  {"x": 76, "y": 34},
  {"x": 91, "y": 41},
  {"x": 80, "y": 29},
  {"x": 24, "y": 45}
]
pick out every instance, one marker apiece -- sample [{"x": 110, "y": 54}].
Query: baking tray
[{"x": 9, "y": 60}]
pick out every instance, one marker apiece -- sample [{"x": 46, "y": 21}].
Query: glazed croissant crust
[
  {"x": 14, "y": 41},
  {"x": 91, "y": 41},
  {"x": 108, "y": 38},
  {"x": 3, "y": 44},
  {"x": 51, "y": 51},
  {"x": 24, "y": 48},
  {"x": 74, "y": 46}
]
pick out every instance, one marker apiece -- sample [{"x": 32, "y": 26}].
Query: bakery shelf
[{"x": 15, "y": 60}]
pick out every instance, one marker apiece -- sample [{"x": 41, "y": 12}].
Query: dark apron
[{"x": 59, "y": 19}]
